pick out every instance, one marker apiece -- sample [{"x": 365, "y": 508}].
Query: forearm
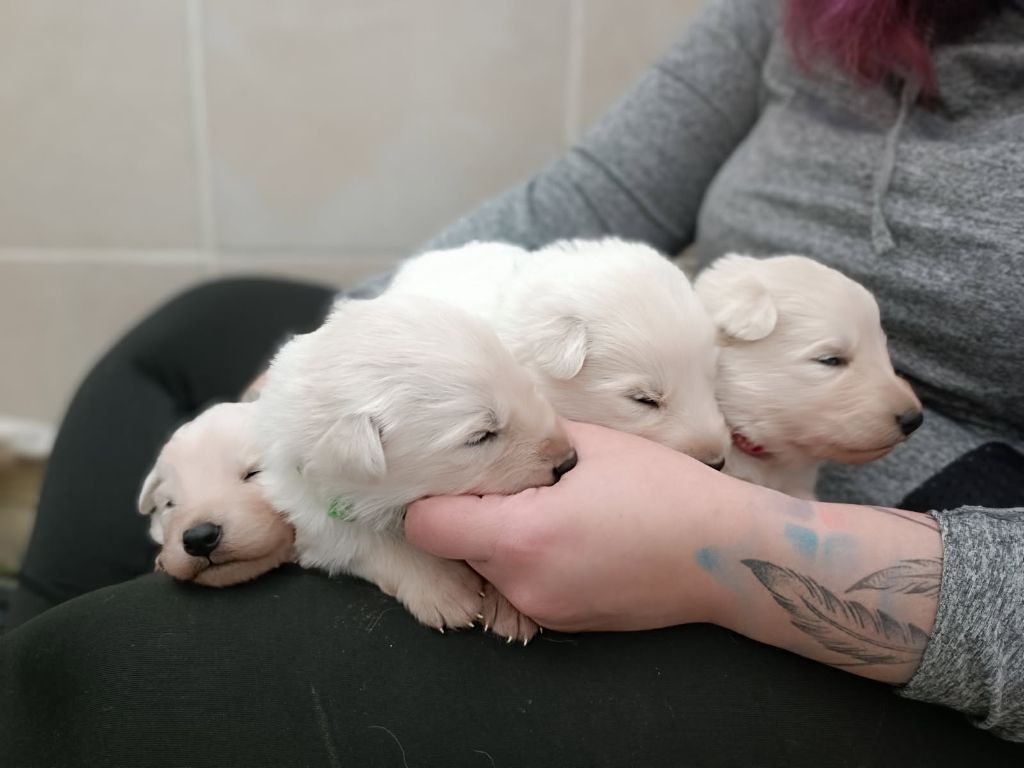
[
  {"x": 850, "y": 586},
  {"x": 252, "y": 392}
]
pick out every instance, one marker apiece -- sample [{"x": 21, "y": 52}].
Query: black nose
[
  {"x": 909, "y": 421},
  {"x": 565, "y": 466},
  {"x": 202, "y": 539},
  {"x": 716, "y": 464}
]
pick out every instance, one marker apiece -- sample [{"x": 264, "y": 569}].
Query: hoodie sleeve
[{"x": 974, "y": 661}]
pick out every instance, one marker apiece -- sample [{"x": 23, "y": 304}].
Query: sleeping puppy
[
  {"x": 611, "y": 331},
  {"x": 208, "y": 512},
  {"x": 391, "y": 400},
  {"x": 804, "y": 373}
]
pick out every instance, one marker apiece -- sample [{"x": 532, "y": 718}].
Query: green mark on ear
[{"x": 340, "y": 509}]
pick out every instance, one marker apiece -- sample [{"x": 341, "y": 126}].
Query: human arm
[
  {"x": 638, "y": 536},
  {"x": 641, "y": 172},
  {"x": 254, "y": 388}
]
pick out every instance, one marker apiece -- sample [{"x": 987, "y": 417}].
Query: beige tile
[
  {"x": 341, "y": 272},
  {"x": 620, "y": 40},
  {"x": 345, "y": 124},
  {"x": 19, "y": 491},
  {"x": 57, "y": 319},
  {"x": 95, "y": 141}
]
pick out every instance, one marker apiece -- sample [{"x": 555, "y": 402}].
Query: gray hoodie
[{"x": 726, "y": 144}]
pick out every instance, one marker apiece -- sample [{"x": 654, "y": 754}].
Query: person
[{"x": 889, "y": 151}]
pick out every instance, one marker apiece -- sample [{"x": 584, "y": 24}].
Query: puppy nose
[
  {"x": 909, "y": 421},
  {"x": 201, "y": 540},
  {"x": 716, "y": 464},
  {"x": 565, "y": 466}
]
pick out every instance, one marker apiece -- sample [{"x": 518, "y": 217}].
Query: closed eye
[
  {"x": 833, "y": 361},
  {"x": 250, "y": 475},
  {"x": 481, "y": 437},
  {"x": 644, "y": 399}
]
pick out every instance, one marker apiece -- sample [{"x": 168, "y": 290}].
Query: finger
[
  {"x": 592, "y": 440},
  {"x": 457, "y": 527},
  {"x": 583, "y": 432}
]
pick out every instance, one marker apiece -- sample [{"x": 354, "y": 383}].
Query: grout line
[
  {"x": 312, "y": 259},
  {"x": 200, "y": 132},
  {"x": 190, "y": 256},
  {"x": 574, "y": 72},
  {"x": 155, "y": 256}
]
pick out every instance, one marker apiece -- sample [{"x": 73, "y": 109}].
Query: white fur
[
  {"x": 206, "y": 474},
  {"x": 777, "y": 319},
  {"x": 379, "y": 407},
  {"x": 600, "y": 324}
]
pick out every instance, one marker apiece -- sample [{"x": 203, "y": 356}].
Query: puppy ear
[
  {"x": 147, "y": 502},
  {"x": 558, "y": 346},
  {"x": 738, "y": 301},
  {"x": 351, "y": 448}
]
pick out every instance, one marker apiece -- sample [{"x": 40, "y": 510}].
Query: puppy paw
[
  {"x": 447, "y": 594},
  {"x": 504, "y": 619}
]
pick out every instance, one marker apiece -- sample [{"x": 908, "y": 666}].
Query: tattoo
[
  {"x": 918, "y": 518},
  {"x": 846, "y": 627},
  {"x": 921, "y": 576}
]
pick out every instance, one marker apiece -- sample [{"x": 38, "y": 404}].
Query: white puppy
[
  {"x": 391, "y": 400},
  {"x": 612, "y": 332},
  {"x": 804, "y": 373},
  {"x": 207, "y": 509}
]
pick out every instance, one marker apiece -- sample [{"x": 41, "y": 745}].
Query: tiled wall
[{"x": 146, "y": 145}]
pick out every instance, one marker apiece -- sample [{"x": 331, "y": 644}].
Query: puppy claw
[
  {"x": 508, "y": 641},
  {"x": 482, "y": 593},
  {"x": 442, "y": 594},
  {"x": 504, "y": 620},
  {"x": 480, "y": 617}
]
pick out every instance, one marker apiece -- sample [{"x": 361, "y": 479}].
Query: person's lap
[
  {"x": 299, "y": 669},
  {"x": 295, "y": 668}
]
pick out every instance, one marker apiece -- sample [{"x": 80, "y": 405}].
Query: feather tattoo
[
  {"x": 910, "y": 577},
  {"x": 846, "y": 627}
]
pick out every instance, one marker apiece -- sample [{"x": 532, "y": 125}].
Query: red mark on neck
[{"x": 747, "y": 445}]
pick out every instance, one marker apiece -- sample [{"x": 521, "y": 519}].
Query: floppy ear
[
  {"x": 558, "y": 346},
  {"x": 738, "y": 301},
  {"x": 147, "y": 502},
  {"x": 351, "y": 448}
]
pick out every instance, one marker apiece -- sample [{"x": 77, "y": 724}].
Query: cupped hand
[{"x": 609, "y": 547}]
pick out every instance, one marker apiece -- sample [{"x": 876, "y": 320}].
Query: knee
[
  {"x": 213, "y": 298},
  {"x": 235, "y": 308}
]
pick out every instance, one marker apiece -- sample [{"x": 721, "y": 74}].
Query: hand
[
  {"x": 252, "y": 392},
  {"x": 638, "y": 536},
  {"x": 609, "y": 547}
]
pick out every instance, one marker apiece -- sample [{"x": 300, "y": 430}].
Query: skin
[
  {"x": 638, "y": 536},
  {"x": 252, "y": 392}
]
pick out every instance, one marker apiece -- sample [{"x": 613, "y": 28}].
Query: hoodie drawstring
[{"x": 881, "y": 236}]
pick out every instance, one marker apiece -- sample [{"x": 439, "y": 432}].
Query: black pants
[{"x": 298, "y": 669}]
